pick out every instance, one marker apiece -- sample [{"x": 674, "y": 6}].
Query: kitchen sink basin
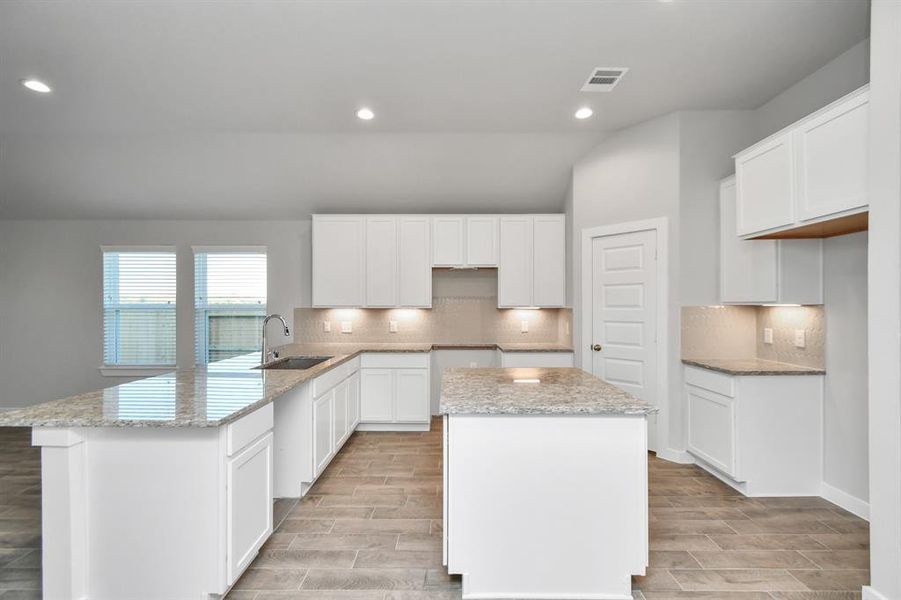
[{"x": 297, "y": 362}]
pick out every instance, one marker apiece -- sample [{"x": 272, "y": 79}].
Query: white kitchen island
[{"x": 545, "y": 484}]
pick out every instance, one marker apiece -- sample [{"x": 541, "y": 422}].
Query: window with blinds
[
  {"x": 139, "y": 307},
  {"x": 229, "y": 302}
]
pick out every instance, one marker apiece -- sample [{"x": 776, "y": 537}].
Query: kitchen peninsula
[{"x": 545, "y": 483}]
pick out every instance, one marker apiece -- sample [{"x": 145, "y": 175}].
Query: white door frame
[{"x": 661, "y": 226}]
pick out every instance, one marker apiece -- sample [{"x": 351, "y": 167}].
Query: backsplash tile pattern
[{"x": 737, "y": 332}]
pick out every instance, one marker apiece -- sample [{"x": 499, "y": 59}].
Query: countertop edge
[{"x": 795, "y": 370}]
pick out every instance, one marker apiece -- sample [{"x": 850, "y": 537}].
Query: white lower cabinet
[
  {"x": 323, "y": 424},
  {"x": 760, "y": 434},
  {"x": 394, "y": 391},
  {"x": 248, "y": 504}
]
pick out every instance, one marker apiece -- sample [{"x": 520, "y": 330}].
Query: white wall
[
  {"x": 50, "y": 292},
  {"x": 884, "y": 288}
]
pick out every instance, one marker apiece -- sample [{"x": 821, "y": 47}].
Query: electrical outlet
[
  {"x": 392, "y": 326},
  {"x": 800, "y": 338},
  {"x": 327, "y": 326},
  {"x": 473, "y": 365},
  {"x": 767, "y": 335},
  {"x": 524, "y": 326},
  {"x": 347, "y": 326}
]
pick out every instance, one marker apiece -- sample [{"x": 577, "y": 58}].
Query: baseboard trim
[
  {"x": 870, "y": 594},
  {"x": 677, "y": 456},
  {"x": 850, "y": 503},
  {"x": 549, "y": 596}
]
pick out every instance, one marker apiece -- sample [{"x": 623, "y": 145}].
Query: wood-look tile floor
[{"x": 371, "y": 530}]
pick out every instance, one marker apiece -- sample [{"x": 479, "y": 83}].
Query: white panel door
[
  {"x": 381, "y": 261},
  {"x": 447, "y": 241},
  {"x": 623, "y": 345},
  {"x": 481, "y": 241},
  {"x": 411, "y": 395},
  {"x": 415, "y": 262},
  {"x": 832, "y": 158},
  {"x": 766, "y": 188},
  {"x": 248, "y": 504},
  {"x": 376, "y": 395},
  {"x": 339, "y": 413},
  {"x": 549, "y": 261},
  {"x": 338, "y": 253},
  {"x": 514, "y": 276},
  {"x": 353, "y": 402},
  {"x": 323, "y": 421},
  {"x": 748, "y": 268}
]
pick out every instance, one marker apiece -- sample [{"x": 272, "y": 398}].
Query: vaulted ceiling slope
[{"x": 174, "y": 109}]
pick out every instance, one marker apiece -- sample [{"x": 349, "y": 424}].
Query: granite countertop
[
  {"x": 751, "y": 366},
  {"x": 557, "y": 391},
  {"x": 204, "y": 396}
]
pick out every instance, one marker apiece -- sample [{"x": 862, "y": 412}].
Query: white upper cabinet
[
  {"x": 812, "y": 171},
  {"x": 532, "y": 263},
  {"x": 415, "y": 261},
  {"x": 549, "y": 260},
  {"x": 766, "y": 186},
  {"x": 447, "y": 241},
  {"x": 381, "y": 261},
  {"x": 338, "y": 259},
  {"x": 831, "y": 155},
  {"x": 765, "y": 271},
  {"x": 481, "y": 241}
]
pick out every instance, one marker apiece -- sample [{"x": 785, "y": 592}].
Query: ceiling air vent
[{"x": 604, "y": 79}]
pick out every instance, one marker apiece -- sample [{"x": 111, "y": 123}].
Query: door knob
[{"x": 596, "y": 347}]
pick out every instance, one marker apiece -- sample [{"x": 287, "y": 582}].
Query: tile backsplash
[
  {"x": 738, "y": 332},
  {"x": 464, "y": 310}
]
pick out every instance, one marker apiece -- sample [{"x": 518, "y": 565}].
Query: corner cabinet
[
  {"x": 532, "y": 261},
  {"x": 765, "y": 271},
  {"x": 810, "y": 172}
]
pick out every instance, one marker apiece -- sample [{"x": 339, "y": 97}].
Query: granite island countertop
[
  {"x": 534, "y": 391},
  {"x": 203, "y": 396},
  {"x": 751, "y": 366}
]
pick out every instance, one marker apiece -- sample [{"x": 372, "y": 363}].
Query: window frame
[
  {"x": 217, "y": 249},
  {"x": 134, "y": 370}
]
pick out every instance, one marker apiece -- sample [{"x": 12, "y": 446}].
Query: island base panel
[{"x": 542, "y": 506}]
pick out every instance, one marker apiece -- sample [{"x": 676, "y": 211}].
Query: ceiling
[{"x": 189, "y": 109}]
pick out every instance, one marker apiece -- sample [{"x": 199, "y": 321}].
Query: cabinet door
[
  {"x": 832, "y": 158},
  {"x": 481, "y": 241},
  {"x": 338, "y": 249},
  {"x": 766, "y": 190},
  {"x": 376, "y": 395},
  {"x": 411, "y": 395},
  {"x": 353, "y": 402},
  {"x": 339, "y": 412},
  {"x": 248, "y": 504},
  {"x": 549, "y": 260},
  {"x": 711, "y": 428},
  {"x": 415, "y": 262},
  {"x": 381, "y": 261},
  {"x": 514, "y": 275},
  {"x": 323, "y": 421},
  {"x": 447, "y": 241},
  {"x": 748, "y": 271}
]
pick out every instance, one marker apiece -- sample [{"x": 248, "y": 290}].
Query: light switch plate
[
  {"x": 800, "y": 338},
  {"x": 767, "y": 335},
  {"x": 392, "y": 326},
  {"x": 326, "y": 326},
  {"x": 347, "y": 326},
  {"x": 524, "y": 326}
]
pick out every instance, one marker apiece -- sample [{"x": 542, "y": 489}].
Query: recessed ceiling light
[
  {"x": 584, "y": 113},
  {"x": 36, "y": 85},
  {"x": 365, "y": 114}
]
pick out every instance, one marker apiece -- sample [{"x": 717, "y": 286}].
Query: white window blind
[
  {"x": 229, "y": 302},
  {"x": 138, "y": 307}
]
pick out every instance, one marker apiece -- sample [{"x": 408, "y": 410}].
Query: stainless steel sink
[{"x": 297, "y": 362}]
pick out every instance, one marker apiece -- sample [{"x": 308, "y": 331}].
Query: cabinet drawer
[
  {"x": 711, "y": 380},
  {"x": 247, "y": 429},
  {"x": 395, "y": 360},
  {"x": 334, "y": 376}
]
